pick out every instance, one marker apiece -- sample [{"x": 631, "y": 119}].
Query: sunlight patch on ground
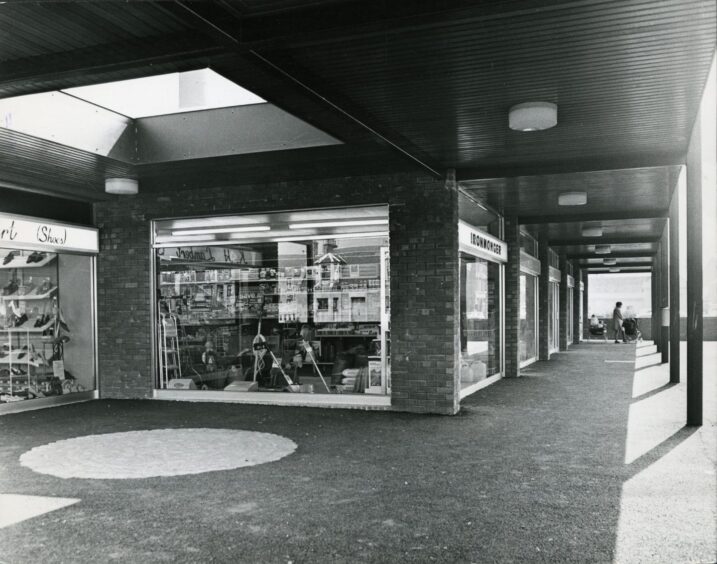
[
  {"x": 161, "y": 452},
  {"x": 15, "y": 508},
  {"x": 668, "y": 507}
]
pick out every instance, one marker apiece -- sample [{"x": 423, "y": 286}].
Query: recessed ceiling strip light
[
  {"x": 352, "y": 223},
  {"x": 212, "y": 230},
  {"x": 603, "y": 249}
]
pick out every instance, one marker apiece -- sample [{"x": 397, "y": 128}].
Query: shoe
[
  {"x": 9, "y": 257},
  {"x": 21, "y": 320},
  {"x": 35, "y": 257},
  {"x": 617, "y": 342}
]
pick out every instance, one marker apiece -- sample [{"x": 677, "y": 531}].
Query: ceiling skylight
[{"x": 166, "y": 94}]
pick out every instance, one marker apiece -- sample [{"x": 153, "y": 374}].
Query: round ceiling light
[
  {"x": 603, "y": 249},
  {"x": 614, "y": 270},
  {"x": 573, "y": 199},
  {"x": 609, "y": 262},
  {"x": 592, "y": 231},
  {"x": 122, "y": 186},
  {"x": 533, "y": 116}
]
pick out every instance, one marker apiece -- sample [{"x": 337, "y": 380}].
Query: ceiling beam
[
  {"x": 543, "y": 168},
  {"x": 594, "y": 216},
  {"x": 624, "y": 240},
  {"x": 43, "y": 73},
  {"x": 619, "y": 254},
  {"x": 605, "y": 270},
  {"x": 619, "y": 264}
]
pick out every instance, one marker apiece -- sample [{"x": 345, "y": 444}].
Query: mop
[{"x": 310, "y": 353}]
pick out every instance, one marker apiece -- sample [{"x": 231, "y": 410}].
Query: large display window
[
  {"x": 528, "y": 319},
  {"x": 47, "y": 321},
  {"x": 282, "y": 302},
  {"x": 481, "y": 305}
]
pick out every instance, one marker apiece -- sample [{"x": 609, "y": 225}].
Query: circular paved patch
[{"x": 161, "y": 452}]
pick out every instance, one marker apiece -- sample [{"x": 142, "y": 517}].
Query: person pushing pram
[{"x": 631, "y": 326}]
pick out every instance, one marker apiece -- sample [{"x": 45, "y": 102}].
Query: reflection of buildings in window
[{"x": 523, "y": 297}]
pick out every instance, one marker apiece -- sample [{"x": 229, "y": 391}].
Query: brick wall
[
  {"x": 564, "y": 309},
  {"x": 543, "y": 297},
  {"x": 512, "y": 298},
  {"x": 424, "y": 275},
  {"x": 577, "y": 302}
]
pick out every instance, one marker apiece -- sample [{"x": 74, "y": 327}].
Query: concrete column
[
  {"x": 543, "y": 289},
  {"x": 512, "y": 298},
  {"x": 664, "y": 295},
  {"x": 577, "y": 303},
  {"x": 674, "y": 330},
  {"x": 564, "y": 309},
  {"x": 586, "y": 313},
  {"x": 694, "y": 277}
]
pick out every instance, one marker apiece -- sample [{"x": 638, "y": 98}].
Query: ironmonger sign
[
  {"x": 479, "y": 243},
  {"x": 37, "y": 234}
]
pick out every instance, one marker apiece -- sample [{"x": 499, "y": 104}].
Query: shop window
[
  {"x": 47, "y": 344},
  {"x": 528, "y": 318},
  {"x": 528, "y": 244},
  {"x": 300, "y": 305},
  {"x": 480, "y": 319}
]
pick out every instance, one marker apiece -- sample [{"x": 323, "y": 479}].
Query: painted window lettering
[
  {"x": 45, "y": 234},
  {"x": 8, "y": 233}
]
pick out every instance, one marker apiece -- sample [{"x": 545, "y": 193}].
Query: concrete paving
[{"x": 584, "y": 459}]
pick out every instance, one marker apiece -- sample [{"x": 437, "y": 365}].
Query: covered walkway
[{"x": 585, "y": 458}]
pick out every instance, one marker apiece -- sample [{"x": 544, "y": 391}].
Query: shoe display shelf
[{"x": 24, "y": 348}]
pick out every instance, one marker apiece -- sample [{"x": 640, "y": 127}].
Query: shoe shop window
[{"x": 47, "y": 335}]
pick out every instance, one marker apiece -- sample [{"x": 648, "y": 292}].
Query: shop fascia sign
[
  {"x": 36, "y": 234},
  {"x": 210, "y": 254},
  {"x": 479, "y": 243}
]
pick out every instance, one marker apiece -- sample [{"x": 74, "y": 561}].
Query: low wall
[{"x": 709, "y": 328}]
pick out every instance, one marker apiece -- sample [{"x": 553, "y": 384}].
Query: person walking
[{"x": 617, "y": 323}]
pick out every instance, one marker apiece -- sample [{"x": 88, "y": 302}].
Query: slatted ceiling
[
  {"x": 646, "y": 248},
  {"x": 45, "y": 162},
  {"x": 629, "y": 189},
  {"x": 611, "y": 228},
  {"x": 611, "y": 67},
  {"x": 36, "y": 29}
]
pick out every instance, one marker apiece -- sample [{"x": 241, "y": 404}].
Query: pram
[
  {"x": 597, "y": 327},
  {"x": 631, "y": 329}
]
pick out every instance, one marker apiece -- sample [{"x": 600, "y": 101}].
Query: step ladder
[{"x": 169, "y": 362}]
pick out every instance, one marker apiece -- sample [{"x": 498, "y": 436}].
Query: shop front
[
  {"x": 553, "y": 309},
  {"x": 47, "y": 313},
  {"x": 254, "y": 306},
  {"x": 528, "y": 329},
  {"x": 482, "y": 259}
]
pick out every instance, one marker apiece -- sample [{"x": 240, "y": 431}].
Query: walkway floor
[{"x": 584, "y": 459}]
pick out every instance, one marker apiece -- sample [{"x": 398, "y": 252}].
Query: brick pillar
[
  {"x": 543, "y": 289},
  {"x": 586, "y": 313},
  {"x": 564, "y": 309},
  {"x": 512, "y": 298},
  {"x": 425, "y": 278},
  {"x": 577, "y": 303}
]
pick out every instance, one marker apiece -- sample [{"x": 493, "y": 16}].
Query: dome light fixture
[
  {"x": 533, "y": 116},
  {"x": 603, "y": 249},
  {"x": 609, "y": 262},
  {"x": 592, "y": 232},
  {"x": 122, "y": 186},
  {"x": 614, "y": 270},
  {"x": 573, "y": 199}
]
